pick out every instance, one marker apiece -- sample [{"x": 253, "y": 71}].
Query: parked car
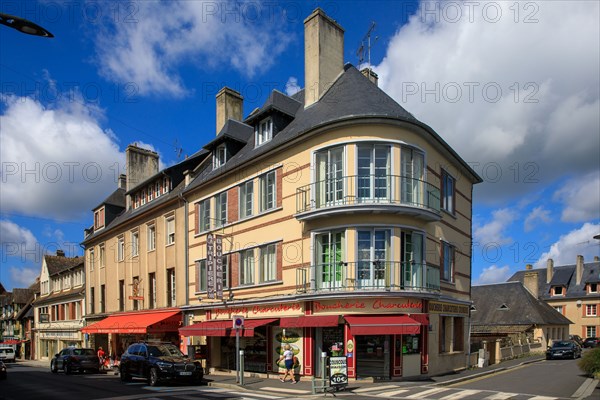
[
  {"x": 158, "y": 361},
  {"x": 3, "y": 374},
  {"x": 591, "y": 342},
  {"x": 563, "y": 349},
  {"x": 577, "y": 339},
  {"x": 7, "y": 354},
  {"x": 73, "y": 359}
]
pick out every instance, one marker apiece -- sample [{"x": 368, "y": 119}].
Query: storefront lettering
[
  {"x": 259, "y": 309},
  {"x": 435, "y": 307},
  {"x": 380, "y": 304},
  {"x": 375, "y": 305},
  {"x": 338, "y": 305}
]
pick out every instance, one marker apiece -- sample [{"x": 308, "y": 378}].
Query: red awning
[
  {"x": 11, "y": 341},
  {"x": 223, "y": 328},
  {"x": 382, "y": 325},
  {"x": 135, "y": 323},
  {"x": 309, "y": 321},
  {"x": 423, "y": 319}
]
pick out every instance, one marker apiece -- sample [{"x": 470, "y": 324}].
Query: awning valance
[
  {"x": 137, "y": 323},
  {"x": 310, "y": 321},
  {"x": 382, "y": 325},
  {"x": 224, "y": 328}
]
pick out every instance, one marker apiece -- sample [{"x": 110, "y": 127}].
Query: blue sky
[{"x": 512, "y": 86}]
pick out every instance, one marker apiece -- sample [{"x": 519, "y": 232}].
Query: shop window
[
  {"x": 411, "y": 344},
  {"x": 459, "y": 337}
]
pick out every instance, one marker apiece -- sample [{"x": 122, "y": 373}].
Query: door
[
  {"x": 413, "y": 163},
  {"x": 373, "y": 250},
  {"x": 373, "y": 181},
  {"x": 329, "y": 269},
  {"x": 329, "y": 188},
  {"x": 412, "y": 260},
  {"x": 373, "y": 356}
]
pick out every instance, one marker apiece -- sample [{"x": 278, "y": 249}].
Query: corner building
[{"x": 334, "y": 221}]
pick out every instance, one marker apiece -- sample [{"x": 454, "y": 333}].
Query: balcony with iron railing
[
  {"x": 368, "y": 275},
  {"x": 356, "y": 193}
]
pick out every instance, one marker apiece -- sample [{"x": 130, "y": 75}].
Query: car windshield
[
  {"x": 561, "y": 344},
  {"x": 161, "y": 350},
  {"x": 84, "y": 352}
]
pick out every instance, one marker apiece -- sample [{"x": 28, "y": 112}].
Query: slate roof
[
  {"x": 279, "y": 102},
  {"x": 116, "y": 198},
  {"x": 58, "y": 264},
  {"x": 521, "y": 307},
  {"x": 564, "y": 276},
  {"x": 233, "y": 130},
  {"x": 351, "y": 96}
]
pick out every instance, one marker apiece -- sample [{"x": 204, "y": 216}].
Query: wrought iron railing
[
  {"x": 368, "y": 275},
  {"x": 368, "y": 189}
]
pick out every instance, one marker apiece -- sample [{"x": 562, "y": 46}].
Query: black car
[
  {"x": 158, "y": 361},
  {"x": 73, "y": 359},
  {"x": 577, "y": 339},
  {"x": 591, "y": 342},
  {"x": 2, "y": 370},
  {"x": 563, "y": 349}
]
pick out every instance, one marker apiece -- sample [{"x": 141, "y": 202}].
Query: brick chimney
[
  {"x": 549, "y": 270},
  {"x": 140, "y": 165},
  {"x": 579, "y": 269},
  {"x": 530, "y": 281},
  {"x": 323, "y": 54},
  {"x": 371, "y": 75},
  {"x": 123, "y": 181},
  {"x": 230, "y": 105},
  {"x": 60, "y": 253}
]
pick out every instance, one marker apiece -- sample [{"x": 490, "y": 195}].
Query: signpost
[{"x": 238, "y": 324}]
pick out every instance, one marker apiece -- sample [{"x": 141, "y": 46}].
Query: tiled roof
[
  {"x": 58, "y": 264},
  {"x": 511, "y": 303}
]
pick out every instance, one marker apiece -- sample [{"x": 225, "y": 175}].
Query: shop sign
[
  {"x": 436, "y": 307},
  {"x": 260, "y": 309},
  {"x": 210, "y": 266},
  {"x": 136, "y": 290},
  {"x": 219, "y": 266},
  {"x": 293, "y": 338},
  {"x": 338, "y": 371},
  {"x": 369, "y": 306}
]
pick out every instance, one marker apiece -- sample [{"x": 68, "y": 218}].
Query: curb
[{"x": 485, "y": 373}]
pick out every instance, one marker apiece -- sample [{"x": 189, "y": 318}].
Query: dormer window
[
  {"x": 150, "y": 193},
  {"x": 558, "y": 291},
  {"x": 99, "y": 219},
  {"x": 220, "y": 156},
  {"x": 166, "y": 185},
  {"x": 143, "y": 196},
  {"x": 592, "y": 287},
  {"x": 136, "y": 202},
  {"x": 264, "y": 131},
  {"x": 157, "y": 189}
]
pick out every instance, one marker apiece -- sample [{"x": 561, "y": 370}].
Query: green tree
[{"x": 590, "y": 362}]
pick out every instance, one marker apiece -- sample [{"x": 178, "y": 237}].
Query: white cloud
[
  {"x": 545, "y": 122},
  {"x": 164, "y": 36},
  {"x": 23, "y": 277},
  {"x": 581, "y": 198},
  {"x": 57, "y": 162},
  {"x": 494, "y": 230},
  {"x": 493, "y": 274},
  {"x": 577, "y": 242},
  {"x": 538, "y": 214},
  {"x": 291, "y": 86},
  {"x": 17, "y": 241}
]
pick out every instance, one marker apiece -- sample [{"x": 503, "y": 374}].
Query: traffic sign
[{"x": 238, "y": 322}]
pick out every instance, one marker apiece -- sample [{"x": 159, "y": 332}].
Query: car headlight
[{"x": 164, "y": 365}]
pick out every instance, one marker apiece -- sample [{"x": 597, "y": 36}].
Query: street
[{"x": 543, "y": 380}]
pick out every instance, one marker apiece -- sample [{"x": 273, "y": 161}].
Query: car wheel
[
  {"x": 53, "y": 367},
  {"x": 68, "y": 369},
  {"x": 153, "y": 379},
  {"x": 198, "y": 380},
  {"x": 124, "y": 376}
]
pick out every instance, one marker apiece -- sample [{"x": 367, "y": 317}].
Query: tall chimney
[
  {"x": 123, "y": 181},
  {"x": 140, "y": 165},
  {"x": 596, "y": 258},
  {"x": 530, "y": 281},
  {"x": 229, "y": 106},
  {"x": 323, "y": 54},
  {"x": 579, "y": 269},
  {"x": 549, "y": 270}
]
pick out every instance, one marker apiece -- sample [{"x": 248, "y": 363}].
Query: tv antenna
[
  {"x": 360, "y": 53},
  {"x": 178, "y": 149}
]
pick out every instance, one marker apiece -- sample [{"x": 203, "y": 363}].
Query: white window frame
[
  {"x": 150, "y": 192},
  {"x": 590, "y": 331},
  {"x": 102, "y": 255},
  {"x": 268, "y": 263},
  {"x": 448, "y": 199},
  {"x": 247, "y": 199},
  {"x": 452, "y": 266},
  {"x": 170, "y": 230},
  {"x": 591, "y": 310},
  {"x": 204, "y": 215},
  {"x": 172, "y": 282},
  {"x": 166, "y": 185},
  {"x": 268, "y": 197},
  {"x": 560, "y": 309},
  {"x": 220, "y": 209},
  {"x": 92, "y": 258},
  {"x": 592, "y": 288},
  {"x": 135, "y": 243},
  {"x": 220, "y": 156},
  {"x": 121, "y": 248},
  {"x": 151, "y": 231},
  {"x": 247, "y": 267},
  {"x": 264, "y": 132}
]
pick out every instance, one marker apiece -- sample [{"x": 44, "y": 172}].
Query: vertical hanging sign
[
  {"x": 219, "y": 266},
  {"x": 210, "y": 266}
]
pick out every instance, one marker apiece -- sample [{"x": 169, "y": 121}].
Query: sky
[{"x": 512, "y": 86}]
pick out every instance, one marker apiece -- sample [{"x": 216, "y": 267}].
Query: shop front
[
  {"x": 382, "y": 339},
  {"x": 116, "y": 332}
]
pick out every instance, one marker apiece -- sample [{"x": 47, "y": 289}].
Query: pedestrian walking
[
  {"x": 288, "y": 358},
  {"x": 101, "y": 355}
]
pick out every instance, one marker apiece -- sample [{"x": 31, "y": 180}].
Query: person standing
[
  {"x": 288, "y": 358},
  {"x": 100, "y": 355}
]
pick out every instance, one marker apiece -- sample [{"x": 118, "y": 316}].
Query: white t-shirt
[{"x": 288, "y": 355}]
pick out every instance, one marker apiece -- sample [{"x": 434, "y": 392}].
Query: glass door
[
  {"x": 412, "y": 257},
  {"x": 330, "y": 258},
  {"x": 373, "y": 249},
  {"x": 329, "y": 188},
  {"x": 373, "y": 181},
  {"x": 413, "y": 163}
]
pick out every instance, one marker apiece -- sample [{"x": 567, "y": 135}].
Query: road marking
[
  {"x": 392, "y": 393},
  {"x": 422, "y": 395},
  {"x": 501, "y": 396},
  {"x": 585, "y": 390},
  {"x": 374, "y": 388},
  {"x": 543, "y": 398},
  {"x": 285, "y": 390},
  {"x": 460, "y": 395}
]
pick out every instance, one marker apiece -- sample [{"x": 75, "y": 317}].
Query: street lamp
[{"x": 23, "y": 25}]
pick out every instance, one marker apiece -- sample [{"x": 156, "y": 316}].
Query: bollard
[
  {"x": 242, "y": 367},
  {"x": 324, "y": 369}
]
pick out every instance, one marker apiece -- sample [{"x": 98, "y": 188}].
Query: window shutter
[
  {"x": 233, "y": 204},
  {"x": 197, "y": 218},
  {"x": 279, "y": 261},
  {"x": 278, "y": 184},
  {"x": 235, "y": 269},
  {"x": 197, "y": 272}
]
